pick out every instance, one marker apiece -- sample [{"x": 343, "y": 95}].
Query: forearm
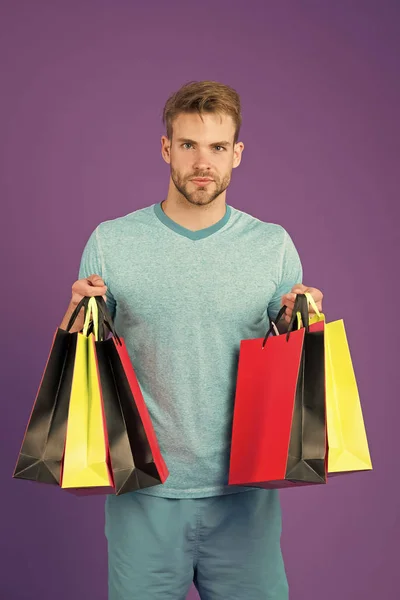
[{"x": 78, "y": 325}]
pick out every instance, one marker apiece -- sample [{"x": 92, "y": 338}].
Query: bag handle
[
  {"x": 313, "y": 304},
  {"x": 300, "y": 312},
  {"x": 92, "y": 313},
  {"x": 272, "y": 327},
  {"x": 106, "y": 318},
  {"x": 82, "y": 304},
  {"x": 319, "y": 316},
  {"x": 97, "y": 305}
]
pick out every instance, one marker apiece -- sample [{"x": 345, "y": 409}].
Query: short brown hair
[{"x": 203, "y": 97}]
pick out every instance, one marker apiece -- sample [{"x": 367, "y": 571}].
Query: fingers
[
  {"x": 89, "y": 287},
  {"x": 317, "y": 296},
  {"x": 289, "y": 299},
  {"x": 299, "y": 288},
  {"x": 288, "y": 314},
  {"x": 314, "y": 292},
  {"x": 95, "y": 280},
  {"x": 98, "y": 290}
]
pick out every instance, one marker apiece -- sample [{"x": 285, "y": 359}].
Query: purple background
[{"x": 83, "y": 85}]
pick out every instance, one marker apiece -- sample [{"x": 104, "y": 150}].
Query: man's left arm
[{"x": 291, "y": 274}]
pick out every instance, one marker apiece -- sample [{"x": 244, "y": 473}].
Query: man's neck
[{"x": 194, "y": 217}]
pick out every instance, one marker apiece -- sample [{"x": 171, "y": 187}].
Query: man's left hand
[{"x": 289, "y": 299}]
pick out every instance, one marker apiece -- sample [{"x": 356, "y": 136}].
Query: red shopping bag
[
  {"x": 279, "y": 425},
  {"x": 134, "y": 453}
]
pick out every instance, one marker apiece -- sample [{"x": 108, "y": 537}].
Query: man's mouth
[{"x": 201, "y": 180}]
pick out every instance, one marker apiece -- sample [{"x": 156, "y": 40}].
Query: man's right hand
[{"x": 91, "y": 286}]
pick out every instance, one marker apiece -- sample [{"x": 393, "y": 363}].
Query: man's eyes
[{"x": 217, "y": 147}]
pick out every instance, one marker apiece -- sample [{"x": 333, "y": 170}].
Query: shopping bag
[
  {"x": 85, "y": 463},
  {"x": 347, "y": 438},
  {"x": 135, "y": 458},
  {"x": 41, "y": 453},
  {"x": 279, "y": 424}
]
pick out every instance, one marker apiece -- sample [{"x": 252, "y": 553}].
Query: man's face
[{"x": 202, "y": 155}]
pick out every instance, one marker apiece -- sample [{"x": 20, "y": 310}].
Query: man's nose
[{"x": 201, "y": 161}]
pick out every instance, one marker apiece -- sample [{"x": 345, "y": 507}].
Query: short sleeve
[
  {"x": 92, "y": 263},
  {"x": 291, "y": 273}
]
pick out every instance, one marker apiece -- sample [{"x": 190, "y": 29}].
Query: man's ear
[
  {"x": 237, "y": 154},
  {"x": 166, "y": 149}
]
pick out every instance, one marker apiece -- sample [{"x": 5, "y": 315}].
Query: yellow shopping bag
[
  {"x": 85, "y": 457},
  {"x": 347, "y": 438}
]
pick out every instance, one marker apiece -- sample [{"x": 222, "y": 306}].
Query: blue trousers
[{"x": 229, "y": 546}]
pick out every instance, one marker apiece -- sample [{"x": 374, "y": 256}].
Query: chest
[{"x": 191, "y": 281}]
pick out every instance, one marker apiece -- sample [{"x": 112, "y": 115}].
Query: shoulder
[
  {"x": 129, "y": 224},
  {"x": 266, "y": 229}
]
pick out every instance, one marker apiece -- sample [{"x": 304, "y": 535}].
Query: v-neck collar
[{"x": 192, "y": 235}]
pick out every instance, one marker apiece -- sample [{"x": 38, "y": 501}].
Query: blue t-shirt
[{"x": 183, "y": 300}]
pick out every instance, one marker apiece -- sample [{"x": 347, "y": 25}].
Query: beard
[{"x": 200, "y": 196}]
